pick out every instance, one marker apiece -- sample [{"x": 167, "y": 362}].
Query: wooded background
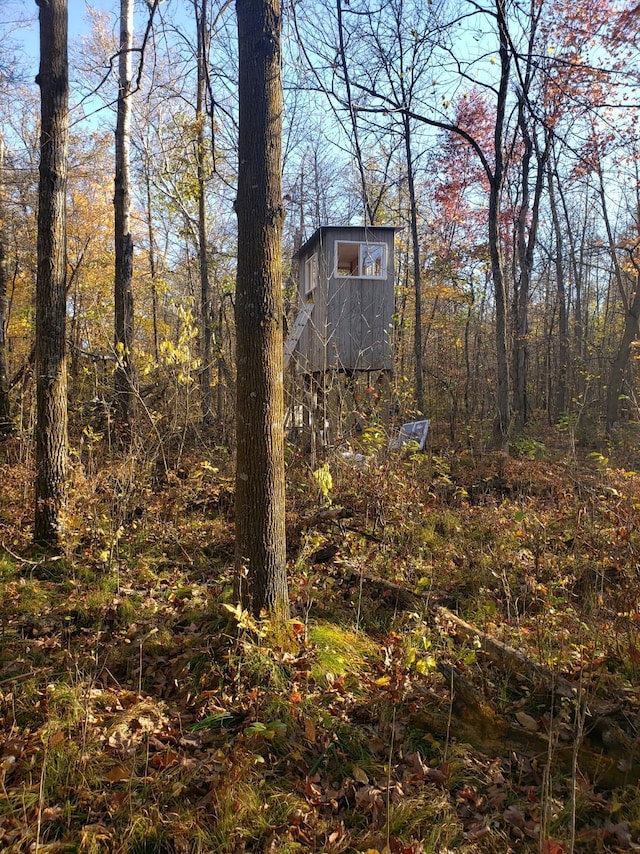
[{"x": 502, "y": 138}]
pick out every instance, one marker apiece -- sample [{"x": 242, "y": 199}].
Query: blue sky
[
  {"x": 13, "y": 12},
  {"x": 19, "y": 22}
]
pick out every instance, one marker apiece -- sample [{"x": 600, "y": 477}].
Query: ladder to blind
[{"x": 296, "y": 331}]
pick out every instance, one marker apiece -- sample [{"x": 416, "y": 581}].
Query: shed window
[
  {"x": 310, "y": 273},
  {"x": 363, "y": 260}
]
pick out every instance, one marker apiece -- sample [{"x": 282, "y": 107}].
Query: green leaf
[{"x": 426, "y": 665}]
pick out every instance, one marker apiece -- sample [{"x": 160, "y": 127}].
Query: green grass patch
[{"x": 339, "y": 652}]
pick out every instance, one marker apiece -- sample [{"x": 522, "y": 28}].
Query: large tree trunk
[
  {"x": 5, "y": 413},
  {"x": 124, "y": 377},
  {"x": 51, "y": 371},
  {"x": 261, "y": 580}
]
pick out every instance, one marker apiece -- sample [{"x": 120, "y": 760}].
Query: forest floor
[{"x": 461, "y": 671}]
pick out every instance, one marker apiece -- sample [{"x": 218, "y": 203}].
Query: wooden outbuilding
[{"x": 346, "y": 300}]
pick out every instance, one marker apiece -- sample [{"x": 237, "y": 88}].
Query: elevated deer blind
[{"x": 346, "y": 301}]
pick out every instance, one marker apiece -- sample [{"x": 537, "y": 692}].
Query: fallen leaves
[
  {"x": 118, "y": 774},
  {"x": 161, "y": 709}
]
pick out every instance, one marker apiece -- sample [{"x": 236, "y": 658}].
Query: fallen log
[
  {"x": 494, "y": 736},
  {"x": 477, "y": 722},
  {"x": 510, "y": 659},
  {"x": 599, "y": 724}
]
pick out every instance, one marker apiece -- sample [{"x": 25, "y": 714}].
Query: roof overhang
[{"x": 319, "y": 234}]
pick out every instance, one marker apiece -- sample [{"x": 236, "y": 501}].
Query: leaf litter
[{"x": 137, "y": 710}]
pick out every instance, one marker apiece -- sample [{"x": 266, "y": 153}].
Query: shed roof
[{"x": 319, "y": 233}]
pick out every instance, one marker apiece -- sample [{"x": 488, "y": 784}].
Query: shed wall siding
[{"x": 350, "y": 325}]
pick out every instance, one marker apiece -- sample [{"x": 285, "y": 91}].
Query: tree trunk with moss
[{"x": 261, "y": 579}]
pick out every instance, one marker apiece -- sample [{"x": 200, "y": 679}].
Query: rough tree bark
[
  {"x": 124, "y": 377},
  {"x": 261, "y": 580},
  {"x": 50, "y": 355}
]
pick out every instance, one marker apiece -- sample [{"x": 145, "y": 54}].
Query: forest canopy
[{"x": 501, "y": 137}]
